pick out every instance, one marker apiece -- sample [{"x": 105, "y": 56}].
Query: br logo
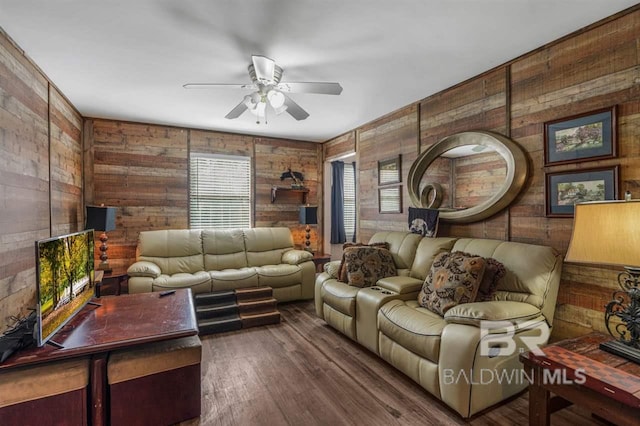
[{"x": 497, "y": 338}]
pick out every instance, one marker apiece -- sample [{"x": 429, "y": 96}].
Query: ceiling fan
[{"x": 268, "y": 90}]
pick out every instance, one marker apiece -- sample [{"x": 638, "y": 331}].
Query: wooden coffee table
[
  {"x": 578, "y": 372},
  {"x": 119, "y": 322}
]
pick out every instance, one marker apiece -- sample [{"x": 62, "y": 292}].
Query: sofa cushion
[
  {"x": 427, "y": 251},
  {"x": 223, "y": 249},
  {"x": 173, "y": 250},
  {"x": 454, "y": 278},
  {"x": 493, "y": 272},
  {"x": 412, "y": 327},
  {"x": 340, "y": 296},
  {"x": 475, "y": 313},
  {"x": 533, "y": 272},
  {"x": 402, "y": 246},
  {"x": 265, "y": 246},
  {"x": 278, "y": 275},
  {"x": 230, "y": 279},
  {"x": 200, "y": 282},
  {"x": 366, "y": 265}
]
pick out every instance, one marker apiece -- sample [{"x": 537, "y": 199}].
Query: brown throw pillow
[
  {"x": 454, "y": 279},
  {"x": 342, "y": 272},
  {"x": 493, "y": 272},
  {"x": 364, "y": 266}
]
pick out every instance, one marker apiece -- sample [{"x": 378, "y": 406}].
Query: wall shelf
[{"x": 281, "y": 189}]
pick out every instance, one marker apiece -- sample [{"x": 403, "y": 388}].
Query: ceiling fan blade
[
  {"x": 218, "y": 86},
  {"x": 294, "y": 109},
  {"x": 264, "y": 67},
  {"x": 237, "y": 111},
  {"x": 304, "y": 87}
]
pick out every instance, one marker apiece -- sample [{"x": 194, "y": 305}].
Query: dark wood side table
[
  {"x": 320, "y": 259},
  {"x": 578, "y": 372},
  {"x": 117, "y": 276}
]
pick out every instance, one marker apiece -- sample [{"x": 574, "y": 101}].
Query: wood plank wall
[
  {"x": 393, "y": 135},
  {"x": 143, "y": 170},
  {"x": 40, "y": 174},
  {"x": 67, "y": 201},
  {"x": 591, "y": 69}
]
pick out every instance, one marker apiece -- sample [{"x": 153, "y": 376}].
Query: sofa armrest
[
  {"x": 144, "y": 268},
  {"x": 296, "y": 257},
  {"x": 332, "y": 268},
  {"x": 474, "y": 313}
]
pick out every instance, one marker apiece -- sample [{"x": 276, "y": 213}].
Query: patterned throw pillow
[
  {"x": 454, "y": 279},
  {"x": 364, "y": 266},
  {"x": 342, "y": 272},
  {"x": 493, "y": 272}
]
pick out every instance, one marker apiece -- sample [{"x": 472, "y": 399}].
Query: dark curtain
[
  {"x": 338, "y": 235},
  {"x": 355, "y": 199}
]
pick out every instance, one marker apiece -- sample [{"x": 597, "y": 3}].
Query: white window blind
[
  {"x": 349, "y": 196},
  {"x": 220, "y": 191}
]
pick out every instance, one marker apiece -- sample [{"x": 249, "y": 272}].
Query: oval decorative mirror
[{"x": 469, "y": 176}]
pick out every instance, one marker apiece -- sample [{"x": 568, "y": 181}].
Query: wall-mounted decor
[
  {"x": 389, "y": 171},
  {"x": 390, "y": 199},
  {"x": 565, "y": 189},
  {"x": 583, "y": 137},
  {"x": 466, "y": 146}
]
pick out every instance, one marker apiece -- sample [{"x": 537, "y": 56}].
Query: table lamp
[
  {"x": 608, "y": 233},
  {"x": 103, "y": 219},
  {"x": 308, "y": 216}
]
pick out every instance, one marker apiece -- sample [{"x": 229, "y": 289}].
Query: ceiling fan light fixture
[
  {"x": 265, "y": 76},
  {"x": 276, "y": 99},
  {"x": 279, "y": 110},
  {"x": 259, "y": 109},
  {"x": 252, "y": 101}
]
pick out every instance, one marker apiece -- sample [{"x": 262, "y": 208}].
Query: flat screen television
[{"x": 65, "y": 280}]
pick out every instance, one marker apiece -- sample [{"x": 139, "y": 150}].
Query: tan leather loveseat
[
  {"x": 222, "y": 259},
  {"x": 453, "y": 357}
]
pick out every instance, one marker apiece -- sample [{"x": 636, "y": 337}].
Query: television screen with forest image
[{"x": 65, "y": 280}]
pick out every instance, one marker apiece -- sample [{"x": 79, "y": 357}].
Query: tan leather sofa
[
  {"x": 456, "y": 358},
  {"x": 222, "y": 259}
]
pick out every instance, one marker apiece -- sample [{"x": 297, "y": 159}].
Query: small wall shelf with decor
[{"x": 284, "y": 189}]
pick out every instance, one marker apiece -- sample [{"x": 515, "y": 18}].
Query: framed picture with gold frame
[{"x": 389, "y": 171}]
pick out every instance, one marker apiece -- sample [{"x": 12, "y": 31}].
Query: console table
[
  {"x": 119, "y": 322},
  {"x": 578, "y": 372}
]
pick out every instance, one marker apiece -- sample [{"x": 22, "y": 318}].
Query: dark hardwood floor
[{"x": 302, "y": 372}]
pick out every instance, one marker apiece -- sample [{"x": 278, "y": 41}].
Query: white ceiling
[{"x": 128, "y": 59}]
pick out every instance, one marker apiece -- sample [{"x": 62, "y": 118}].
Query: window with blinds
[
  {"x": 349, "y": 195},
  {"x": 220, "y": 191}
]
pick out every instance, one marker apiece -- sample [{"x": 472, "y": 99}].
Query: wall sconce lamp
[
  {"x": 308, "y": 216},
  {"x": 608, "y": 233},
  {"x": 103, "y": 219}
]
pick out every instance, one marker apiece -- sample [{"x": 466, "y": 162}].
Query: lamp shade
[
  {"x": 308, "y": 215},
  {"x": 101, "y": 218},
  {"x": 606, "y": 233}
]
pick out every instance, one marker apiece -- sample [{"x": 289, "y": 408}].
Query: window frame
[{"x": 194, "y": 157}]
